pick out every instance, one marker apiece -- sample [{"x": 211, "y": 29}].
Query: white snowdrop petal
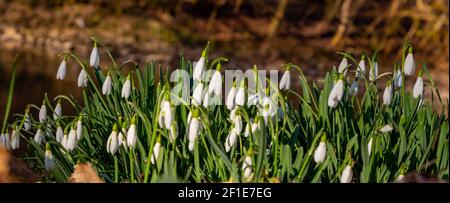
[
  {"x": 62, "y": 70},
  {"x": 409, "y": 65},
  {"x": 347, "y": 175},
  {"x": 320, "y": 153},
  {"x": 418, "y": 88}
]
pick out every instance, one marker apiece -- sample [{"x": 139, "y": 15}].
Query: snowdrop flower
[
  {"x": 79, "y": 128},
  {"x": 231, "y": 97},
  {"x": 215, "y": 84},
  {"x": 121, "y": 139},
  {"x": 156, "y": 150},
  {"x": 165, "y": 115},
  {"x": 409, "y": 65},
  {"x": 43, "y": 112},
  {"x": 193, "y": 130},
  {"x": 285, "y": 83},
  {"x": 387, "y": 94},
  {"x": 347, "y": 175},
  {"x": 58, "y": 110},
  {"x": 15, "y": 138},
  {"x": 401, "y": 178},
  {"x": 321, "y": 150},
  {"x": 132, "y": 133},
  {"x": 386, "y": 128},
  {"x": 39, "y": 137},
  {"x": 27, "y": 123},
  {"x": 71, "y": 140},
  {"x": 354, "y": 87},
  {"x": 373, "y": 72},
  {"x": 126, "y": 88},
  {"x": 49, "y": 161},
  {"x": 62, "y": 70},
  {"x": 237, "y": 122},
  {"x": 336, "y": 93},
  {"x": 112, "y": 144},
  {"x": 59, "y": 133},
  {"x": 206, "y": 98},
  {"x": 398, "y": 78},
  {"x": 267, "y": 109},
  {"x": 247, "y": 165},
  {"x": 369, "y": 146},
  {"x": 418, "y": 86},
  {"x": 199, "y": 67},
  {"x": 173, "y": 132},
  {"x": 197, "y": 94},
  {"x": 107, "y": 85},
  {"x": 252, "y": 127},
  {"x": 253, "y": 99},
  {"x": 361, "y": 71},
  {"x": 240, "y": 94},
  {"x": 231, "y": 139},
  {"x": 94, "y": 59},
  {"x": 82, "y": 78},
  {"x": 343, "y": 66},
  {"x": 4, "y": 141}
]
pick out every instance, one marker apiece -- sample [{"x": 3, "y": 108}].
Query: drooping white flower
[
  {"x": 4, "y": 141},
  {"x": 347, "y": 175},
  {"x": 59, "y": 134},
  {"x": 285, "y": 83},
  {"x": 107, "y": 85},
  {"x": 132, "y": 133},
  {"x": 343, "y": 66},
  {"x": 199, "y": 68},
  {"x": 409, "y": 65},
  {"x": 418, "y": 87},
  {"x": 267, "y": 109},
  {"x": 156, "y": 150},
  {"x": 361, "y": 71},
  {"x": 336, "y": 94},
  {"x": 237, "y": 122},
  {"x": 231, "y": 97},
  {"x": 82, "y": 78},
  {"x": 387, "y": 94},
  {"x": 387, "y": 128},
  {"x": 400, "y": 178},
  {"x": 27, "y": 123},
  {"x": 248, "y": 128},
  {"x": 112, "y": 145},
  {"x": 215, "y": 84},
  {"x": 39, "y": 136},
  {"x": 369, "y": 146},
  {"x": 193, "y": 131},
  {"x": 197, "y": 95},
  {"x": 240, "y": 95},
  {"x": 58, "y": 110},
  {"x": 71, "y": 140},
  {"x": 253, "y": 99},
  {"x": 94, "y": 59},
  {"x": 354, "y": 88},
  {"x": 79, "y": 128},
  {"x": 247, "y": 166},
  {"x": 62, "y": 70},
  {"x": 49, "y": 161},
  {"x": 15, "y": 138},
  {"x": 165, "y": 115},
  {"x": 231, "y": 139},
  {"x": 373, "y": 72},
  {"x": 43, "y": 113},
  {"x": 398, "y": 78},
  {"x": 321, "y": 151},
  {"x": 121, "y": 139},
  {"x": 64, "y": 141},
  {"x": 126, "y": 88}
]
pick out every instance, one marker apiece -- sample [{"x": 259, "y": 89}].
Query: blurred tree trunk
[{"x": 271, "y": 31}]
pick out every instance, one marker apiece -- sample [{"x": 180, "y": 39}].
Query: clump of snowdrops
[{"x": 344, "y": 129}]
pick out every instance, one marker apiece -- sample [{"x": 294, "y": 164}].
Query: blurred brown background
[{"x": 266, "y": 33}]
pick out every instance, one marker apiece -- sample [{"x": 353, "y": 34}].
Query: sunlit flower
[
  {"x": 62, "y": 70},
  {"x": 112, "y": 145},
  {"x": 215, "y": 84},
  {"x": 418, "y": 87},
  {"x": 43, "y": 112},
  {"x": 267, "y": 109},
  {"x": 15, "y": 138},
  {"x": 199, "y": 67},
  {"x": 361, "y": 71},
  {"x": 231, "y": 97},
  {"x": 94, "y": 59},
  {"x": 82, "y": 78},
  {"x": 285, "y": 83},
  {"x": 193, "y": 131},
  {"x": 336, "y": 93},
  {"x": 343, "y": 66},
  {"x": 347, "y": 174},
  {"x": 373, "y": 72},
  {"x": 121, "y": 139},
  {"x": 156, "y": 150},
  {"x": 409, "y": 65},
  {"x": 231, "y": 139},
  {"x": 71, "y": 140},
  {"x": 107, "y": 85},
  {"x": 126, "y": 88},
  {"x": 64, "y": 141},
  {"x": 197, "y": 95},
  {"x": 39, "y": 136},
  {"x": 321, "y": 150},
  {"x": 59, "y": 134},
  {"x": 58, "y": 110},
  {"x": 240, "y": 94},
  {"x": 49, "y": 161},
  {"x": 132, "y": 133},
  {"x": 165, "y": 115},
  {"x": 79, "y": 128},
  {"x": 247, "y": 166},
  {"x": 387, "y": 94},
  {"x": 386, "y": 128}
]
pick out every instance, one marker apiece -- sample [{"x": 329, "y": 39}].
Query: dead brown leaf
[
  {"x": 13, "y": 170},
  {"x": 84, "y": 173}
]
